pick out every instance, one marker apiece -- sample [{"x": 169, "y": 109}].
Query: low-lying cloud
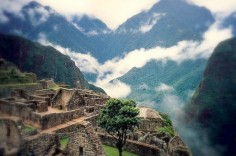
[
  {"x": 148, "y": 25},
  {"x": 112, "y": 69},
  {"x": 164, "y": 88}
]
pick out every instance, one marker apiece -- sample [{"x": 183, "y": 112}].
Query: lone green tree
[{"x": 118, "y": 118}]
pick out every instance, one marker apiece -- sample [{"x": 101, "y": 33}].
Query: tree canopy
[{"x": 118, "y": 118}]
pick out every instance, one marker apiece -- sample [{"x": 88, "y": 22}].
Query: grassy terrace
[
  {"x": 18, "y": 85},
  {"x": 111, "y": 151}
]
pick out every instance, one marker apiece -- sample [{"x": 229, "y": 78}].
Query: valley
[{"x": 174, "y": 58}]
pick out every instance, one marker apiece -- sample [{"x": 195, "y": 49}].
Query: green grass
[
  {"x": 54, "y": 87},
  {"x": 63, "y": 142},
  {"x": 28, "y": 128},
  {"x": 111, "y": 151}
]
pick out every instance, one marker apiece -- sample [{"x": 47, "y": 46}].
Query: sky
[
  {"x": 114, "y": 12},
  {"x": 111, "y": 12}
]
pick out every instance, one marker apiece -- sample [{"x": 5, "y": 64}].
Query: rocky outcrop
[{"x": 212, "y": 108}]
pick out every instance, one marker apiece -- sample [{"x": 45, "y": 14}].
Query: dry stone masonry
[
  {"x": 50, "y": 116},
  {"x": 64, "y": 122}
]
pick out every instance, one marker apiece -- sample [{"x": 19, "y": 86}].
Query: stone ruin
[
  {"x": 147, "y": 141},
  {"x": 54, "y": 116},
  {"x": 10, "y": 137},
  {"x": 72, "y": 114},
  {"x": 150, "y": 120},
  {"x": 46, "y": 83},
  {"x": 70, "y": 99}
]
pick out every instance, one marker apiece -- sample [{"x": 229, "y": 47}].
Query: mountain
[
  {"x": 165, "y": 24},
  {"x": 90, "y": 26},
  {"x": 45, "y": 61},
  {"x": 231, "y": 22},
  {"x": 154, "y": 81},
  {"x": 10, "y": 74},
  {"x": 213, "y": 105},
  {"x": 40, "y": 22}
]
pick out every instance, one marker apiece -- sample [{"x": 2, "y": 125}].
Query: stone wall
[
  {"x": 26, "y": 113},
  {"x": 40, "y": 145},
  {"x": 150, "y": 125},
  {"x": 75, "y": 102},
  {"x": 82, "y": 137},
  {"x": 10, "y": 137},
  {"x": 133, "y": 146},
  {"x": 7, "y": 91},
  {"x": 93, "y": 120},
  {"x": 22, "y": 110},
  {"x": 54, "y": 119}
]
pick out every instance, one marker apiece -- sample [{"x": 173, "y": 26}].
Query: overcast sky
[
  {"x": 111, "y": 12},
  {"x": 115, "y": 12}
]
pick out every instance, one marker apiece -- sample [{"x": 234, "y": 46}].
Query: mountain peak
[{"x": 32, "y": 4}]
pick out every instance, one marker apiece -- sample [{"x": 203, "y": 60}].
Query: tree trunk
[
  {"x": 120, "y": 151},
  {"x": 119, "y": 147}
]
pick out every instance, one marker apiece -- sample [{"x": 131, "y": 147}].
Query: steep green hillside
[
  {"x": 43, "y": 22},
  {"x": 45, "y": 61},
  {"x": 213, "y": 106},
  {"x": 157, "y": 79},
  {"x": 10, "y": 74}
]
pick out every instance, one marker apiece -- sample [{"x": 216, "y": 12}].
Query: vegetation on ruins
[
  {"x": 118, "y": 118},
  {"x": 63, "y": 142},
  {"x": 28, "y": 128},
  {"x": 10, "y": 74},
  {"x": 167, "y": 125}
]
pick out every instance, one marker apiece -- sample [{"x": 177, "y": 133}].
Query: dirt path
[{"x": 64, "y": 125}]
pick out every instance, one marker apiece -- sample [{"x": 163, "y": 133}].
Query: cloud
[
  {"x": 164, "y": 88},
  {"x": 195, "y": 137},
  {"x": 11, "y": 6},
  {"x": 38, "y": 15},
  {"x": 220, "y": 9},
  {"x": 144, "y": 86},
  {"x": 147, "y": 26},
  {"x": 115, "y": 88},
  {"x": 89, "y": 64},
  {"x": 117, "y": 67},
  {"x": 112, "y": 12}
]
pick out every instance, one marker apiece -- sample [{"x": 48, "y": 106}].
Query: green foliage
[
  {"x": 63, "y": 142},
  {"x": 119, "y": 114},
  {"x": 167, "y": 126},
  {"x": 12, "y": 75},
  {"x": 54, "y": 87},
  {"x": 183, "y": 77},
  {"x": 111, "y": 151},
  {"x": 28, "y": 128},
  {"x": 118, "y": 118}
]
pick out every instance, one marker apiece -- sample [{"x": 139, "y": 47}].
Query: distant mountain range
[{"x": 165, "y": 24}]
